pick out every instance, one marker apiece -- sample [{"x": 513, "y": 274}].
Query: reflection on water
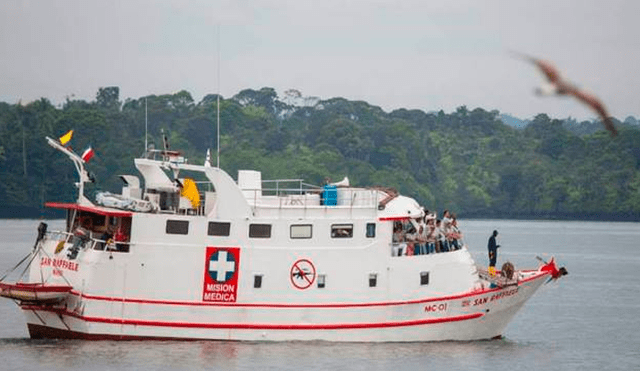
[
  {"x": 169, "y": 355},
  {"x": 587, "y": 321}
]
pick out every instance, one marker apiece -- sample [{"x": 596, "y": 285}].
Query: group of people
[
  {"x": 109, "y": 237},
  {"x": 427, "y": 235}
]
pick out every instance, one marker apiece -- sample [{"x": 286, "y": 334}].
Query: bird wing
[
  {"x": 564, "y": 87},
  {"x": 548, "y": 69},
  {"x": 597, "y": 106}
]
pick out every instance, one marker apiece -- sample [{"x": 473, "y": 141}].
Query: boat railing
[
  {"x": 409, "y": 248},
  {"x": 164, "y": 155},
  {"x": 496, "y": 278},
  {"x": 279, "y": 187},
  {"x": 58, "y": 235},
  {"x": 305, "y": 195},
  {"x": 91, "y": 242}
]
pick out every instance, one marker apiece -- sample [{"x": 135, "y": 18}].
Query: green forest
[{"x": 467, "y": 161}]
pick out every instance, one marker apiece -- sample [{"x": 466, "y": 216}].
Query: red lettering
[
  {"x": 498, "y": 296},
  {"x": 59, "y": 263},
  {"x": 480, "y": 301},
  {"x": 436, "y": 307}
]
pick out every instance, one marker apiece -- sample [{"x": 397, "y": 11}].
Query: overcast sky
[{"x": 425, "y": 54}]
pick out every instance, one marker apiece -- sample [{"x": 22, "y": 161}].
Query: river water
[{"x": 586, "y": 321}]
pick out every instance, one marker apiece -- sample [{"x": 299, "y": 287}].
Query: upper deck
[{"x": 216, "y": 195}]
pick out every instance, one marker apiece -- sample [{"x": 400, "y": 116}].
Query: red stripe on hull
[
  {"x": 258, "y": 326},
  {"x": 282, "y": 305}
]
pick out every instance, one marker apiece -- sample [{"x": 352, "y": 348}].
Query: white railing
[
  {"x": 300, "y": 189},
  {"x": 311, "y": 196},
  {"x": 89, "y": 244}
]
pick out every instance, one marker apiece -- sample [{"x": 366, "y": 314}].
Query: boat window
[
  {"x": 321, "y": 280},
  {"x": 373, "y": 279},
  {"x": 218, "y": 229},
  {"x": 371, "y": 230},
  {"x": 99, "y": 221},
  {"x": 424, "y": 278},
  {"x": 257, "y": 281},
  {"x": 342, "y": 230},
  {"x": 301, "y": 231},
  {"x": 260, "y": 230},
  {"x": 113, "y": 234},
  {"x": 177, "y": 227}
]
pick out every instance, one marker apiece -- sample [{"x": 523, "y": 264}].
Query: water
[{"x": 586, "y": 321}]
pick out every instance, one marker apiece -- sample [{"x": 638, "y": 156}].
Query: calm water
[{"x": 587, "y": 321}]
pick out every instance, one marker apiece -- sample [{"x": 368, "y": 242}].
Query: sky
[{"x": 428, "y": 55}]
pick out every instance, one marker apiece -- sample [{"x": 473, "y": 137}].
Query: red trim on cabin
[
  {"x": 92, "y": 209},
  {"x": 260, "y": 326},
  {"x": 282, "y": 305}
]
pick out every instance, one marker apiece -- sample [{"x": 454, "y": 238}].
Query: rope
[
  {"x": 33, "y": 255},
  {"x": 14, "y": 268}
]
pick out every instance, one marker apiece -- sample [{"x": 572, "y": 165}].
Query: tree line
[{"x": 468, "y": 160}]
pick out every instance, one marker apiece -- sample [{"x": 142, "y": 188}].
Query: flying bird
[{"x": 557, "y": 85}]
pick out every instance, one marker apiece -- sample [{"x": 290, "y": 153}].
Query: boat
[
  {"x": 34, "y": 293},
  {"x": 204, "y": 256}
]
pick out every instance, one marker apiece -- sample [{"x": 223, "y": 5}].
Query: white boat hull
[{"x": 472, "y": 316}]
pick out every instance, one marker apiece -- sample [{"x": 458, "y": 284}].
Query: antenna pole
[
  {"x": 146, "y": 146},
  {"x": 218, "y": 96}
]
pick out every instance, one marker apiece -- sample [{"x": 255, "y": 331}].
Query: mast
[
  {"x": 83, "y": 175},
  {"x": 146, "y": 147},
  {"x": 218, "y": 97}
]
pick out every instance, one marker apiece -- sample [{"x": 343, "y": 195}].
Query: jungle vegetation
[{"x": 468, "y": 161}]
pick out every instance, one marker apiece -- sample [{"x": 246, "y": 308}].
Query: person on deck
[
  {"x": 493, "y": 251},
  {"x": 454, "y": 234},
  {"x": 431, "y": 237},
  {"x": 106, "y": 237},
  {"x": 419, "y": 240},
  {"x": 441, "y": 245},
  {"x": 420, "y": 237},
  {"x": 121, "y": 240},
  {"x": 446, "y": 219},
  {"x": 398, "y": 239}
]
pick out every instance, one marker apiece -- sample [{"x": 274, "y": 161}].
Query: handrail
[
  {"x": 361, "y": 198},
  {"x": 69, "y": 234}
]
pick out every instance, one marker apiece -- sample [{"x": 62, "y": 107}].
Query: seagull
[{"x": 557, "y": 85}]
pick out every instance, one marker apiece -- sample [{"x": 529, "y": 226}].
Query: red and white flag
[{"x": 87, "y": 154}]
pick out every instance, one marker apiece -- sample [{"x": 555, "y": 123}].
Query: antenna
[
  {"x": 146, "y": 146},
  {"x": 218, "y": 96}
]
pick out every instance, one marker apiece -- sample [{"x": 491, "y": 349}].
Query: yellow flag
[
  {"x": 190, "y": 191},
  {"x": 66, "y": 138}
]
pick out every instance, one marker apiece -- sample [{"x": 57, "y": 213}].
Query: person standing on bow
[{"x": 493, "y": 252}]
